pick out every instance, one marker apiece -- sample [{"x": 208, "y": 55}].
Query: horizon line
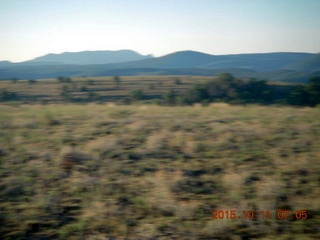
[{"x": 154, "y": 56}]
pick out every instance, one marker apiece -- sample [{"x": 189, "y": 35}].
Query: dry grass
[{"x": 145, "y": 171}]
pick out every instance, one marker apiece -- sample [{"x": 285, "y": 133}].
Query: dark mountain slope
[
  {"x": 309, "y": 64},
  {"x": 257, "y": 62},
  {"x": 192, "y": 59}
]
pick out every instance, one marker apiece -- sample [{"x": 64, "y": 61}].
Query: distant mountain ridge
[
  {"x": 191, "y": 59},
  {"x": 278, "y": 66},
  {"x": 90, "y": 57}
]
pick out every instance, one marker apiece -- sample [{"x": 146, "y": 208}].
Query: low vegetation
[{"x": 144, "y": 171}]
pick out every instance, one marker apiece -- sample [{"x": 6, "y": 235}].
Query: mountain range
[{"x": 279, "y": 66}]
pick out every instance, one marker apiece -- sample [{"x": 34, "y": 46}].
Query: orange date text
[{"x": 280, "y": 214}]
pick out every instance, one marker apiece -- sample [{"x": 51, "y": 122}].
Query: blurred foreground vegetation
[{"x": 107, "y": 171}]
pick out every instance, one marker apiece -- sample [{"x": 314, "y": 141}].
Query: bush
[
  {"x": 32, "y": 81},
  {"x": 177, "y": 81},
  {"x": 67, "y": 96},
  {"x": 117, "y": 81},
  {"x": 5, "y": 95},
  {"x": 71, "y": 158},
  {"x": 137, "y": 95},
  {"x": 169, "y": 97},
  {"x": 195, "y": 186},
  {"x": 308, "y": 94},
  {"x": 64, "y": 79}
]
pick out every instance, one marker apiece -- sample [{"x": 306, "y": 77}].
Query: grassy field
[
  {"x": 98, "y": 88},
  {"x": 107, "y": 171},
  {"x": 107, "y": 89}
]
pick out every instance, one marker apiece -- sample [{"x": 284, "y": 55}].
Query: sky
[{"x": 32, "y": 28}]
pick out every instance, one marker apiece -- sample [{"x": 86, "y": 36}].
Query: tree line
[{"x": 227, "y": 88}]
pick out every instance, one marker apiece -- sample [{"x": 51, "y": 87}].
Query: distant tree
[
  {"x": 84, "y": 89},
  {"x": 67, "y": 96},
  {"x": 197, "y": 93},
  {"x": 217, "y": 90},
  {"x": 181, "y": 100},
  {"x": 177, "y": 81},
  {"x": 137, "y": 95},
  {"x": 297, "y": 96},
  {"x": 169, "y": 97},
  {"x": 254, "y": 91},
  {"x": 65, "y": 93},
  {"x": 308, "y": 94},
  {"x": 5, "y": 95},
  {"x": 226, "y": 77},
  {"x": 32, "y": 81},
  {"x": 312, "y": 91},
  {"x": 64, "y": 79},
  {"x": 117, "y": 81}
]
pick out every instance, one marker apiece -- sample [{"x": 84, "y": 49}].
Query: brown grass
[{"x": 146, "y": 171}]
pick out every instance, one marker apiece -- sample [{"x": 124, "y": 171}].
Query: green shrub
[
  {"x": 5, "y": 95},
  {"x": 177, "y": 81},
  {"x": 137, "y": 95},
  {"x": 32, "y": 81}
]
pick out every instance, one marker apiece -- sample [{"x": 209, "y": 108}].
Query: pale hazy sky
[{"x": 31, "y": 28}]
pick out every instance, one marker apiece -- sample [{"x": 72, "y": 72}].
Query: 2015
[{"x": 220, "y": 214}]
